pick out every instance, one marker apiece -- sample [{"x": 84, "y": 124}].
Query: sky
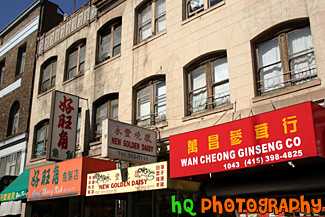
[{"x": 9, "y": 10}]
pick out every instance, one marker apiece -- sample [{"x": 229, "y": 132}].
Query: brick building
[
  {"x": 177, "y": 66},
  {"x": 18, "y": 42}
]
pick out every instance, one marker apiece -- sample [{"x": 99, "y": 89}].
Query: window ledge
[
  {"x": 149, "y": 39},
  {"x": 74, "y": 78},
  {"x": 162, "y": 125},
  {"x": 107, "y": 61},
  {"x": 38, "y": 159},
  {"x": 286, "y": 90},
  {"x": 187, "y": 20},
  {"x": 208, "y": 112},
  {"x": 46, "y": 92}
]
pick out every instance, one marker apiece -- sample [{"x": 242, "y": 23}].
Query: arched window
[
  {"x": 40, "y": 138},
  {"x": 105, "y": 108},
  {"x": 284, "y": 56},
  {"x": 109, "y": 40},
  {"x": 151, "y": 19},
  {"x": 48, "y": 74},
  {"x": 207, "y": 82},
  {"x": 13, "y": 119},
  {"x": 150, "y": 102},
  {"x": 75, "y": 61}
]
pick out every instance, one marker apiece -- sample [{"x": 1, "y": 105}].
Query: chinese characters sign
[
  {"x": 63, "y": 126},
  {"x": 63, "y": 179},
  {"x": 129, "y": 142},
  {"x": 139, "y": 178},
  {"x": 282, "y": 135}
]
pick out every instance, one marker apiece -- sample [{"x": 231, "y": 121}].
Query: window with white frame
[
  {"x": 10, "y": 165},
  {"x": 109, "y": 40},
  {"x": 208, "y": 83},
  {"x": 196, "y": 6},
  {"x": 21, "y": 59},
  {"x": 2, "y": 70},
  {"x": 13, "y": 122},
  {"x": 106, "y": 108},
  {"x": 151, "y": 19},
  {"x": 76, "y": 59},
  {"x": 286, "y": 59},
  {"x": 151, "y": 103},
  {"x": 48, "y": 74},
  {"x": 40, "y": 139}
]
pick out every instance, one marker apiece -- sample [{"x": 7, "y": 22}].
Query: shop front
[
  {"x": 58, "y": 189},
  {"x": 139, "y": 191},
  {"x": 277, "y": 155}
]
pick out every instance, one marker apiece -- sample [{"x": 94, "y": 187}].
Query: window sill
[
  {"x": 46, "y": 92},
  {"x": 74, "y": 78},
  {"x": 162, "y": 125},
  {"x": 201, "y": 114},
  {"x": 37, "y": 159},
  {"x": 149, "y": 39},
  {"x": 286, "y": 90},
  {"x": 107, "y": 61},
  {"x": 187, "y": 20}
]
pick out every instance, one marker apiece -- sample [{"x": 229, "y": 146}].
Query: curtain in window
[
  {"x": 143, "y": 97},
  {"x": 145, "y": 23},
  {"x": 117, "y": 41},
  {"x": 73, "y": 64},
  {"x": 114, "y": 110},
  {"x": 302, "y": 60},
  {"x": 160, "y": 15},
  {"x": 40, "y": 142},
  {"x": 220, "y": 74},
  {"x": 270, "y": 67},
  {"x": 101, "y": 115},
  {"x": 196, "y": 4},
  {"x": 82, "y": 58},
  {"x": 161, "y": 99},
  {"x": 199, "y": 94},
  {"x": 105, "y": 47}
]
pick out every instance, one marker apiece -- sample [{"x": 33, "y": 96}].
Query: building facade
[
  {"x": 17, "y": 64},
  {"x": 176, "y": 66}
]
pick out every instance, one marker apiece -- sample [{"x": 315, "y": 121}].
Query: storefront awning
[{"x": 17, "y": 190}]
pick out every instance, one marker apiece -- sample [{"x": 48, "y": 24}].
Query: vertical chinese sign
[
  {"x": 285, "y": 134},
  {"x": 129, "y": 142},
  {"x": 63, "y": 127}
]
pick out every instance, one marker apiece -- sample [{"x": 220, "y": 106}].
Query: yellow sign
[{"x": 139, "y": 178}]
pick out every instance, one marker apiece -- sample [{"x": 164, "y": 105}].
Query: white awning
[{"x": 10, "y": 208}]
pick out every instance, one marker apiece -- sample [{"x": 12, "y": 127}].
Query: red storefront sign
[
  {"x": 64, "y": 179},
  {"x": 281, "y": 135}
]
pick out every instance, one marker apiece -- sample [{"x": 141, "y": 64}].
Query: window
[
  {"x": 40, "y": 139},
  {"x": 196, "y": 6},
  {"x": 48, "y": 74},
  {"x": 109, "y": 41},
  {"x": 151, "y": 19},
  {"x": 76, "y": 59},
  {"x": 208, "y": 83},
  {"x": 13, "y": 119},
  {"x": 151, "y": 103},
  {"x": 10, "y": 165},
  {"x": 21, "y": 59},
  {"x": 106, "y": 108},
  {"x": 2, "y": 70},
  {"x": 285, "y": 60}
]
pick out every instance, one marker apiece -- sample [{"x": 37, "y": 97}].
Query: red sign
[
  {"x": 64, "y": 179},
  {"x": 282, "y": 135}
]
